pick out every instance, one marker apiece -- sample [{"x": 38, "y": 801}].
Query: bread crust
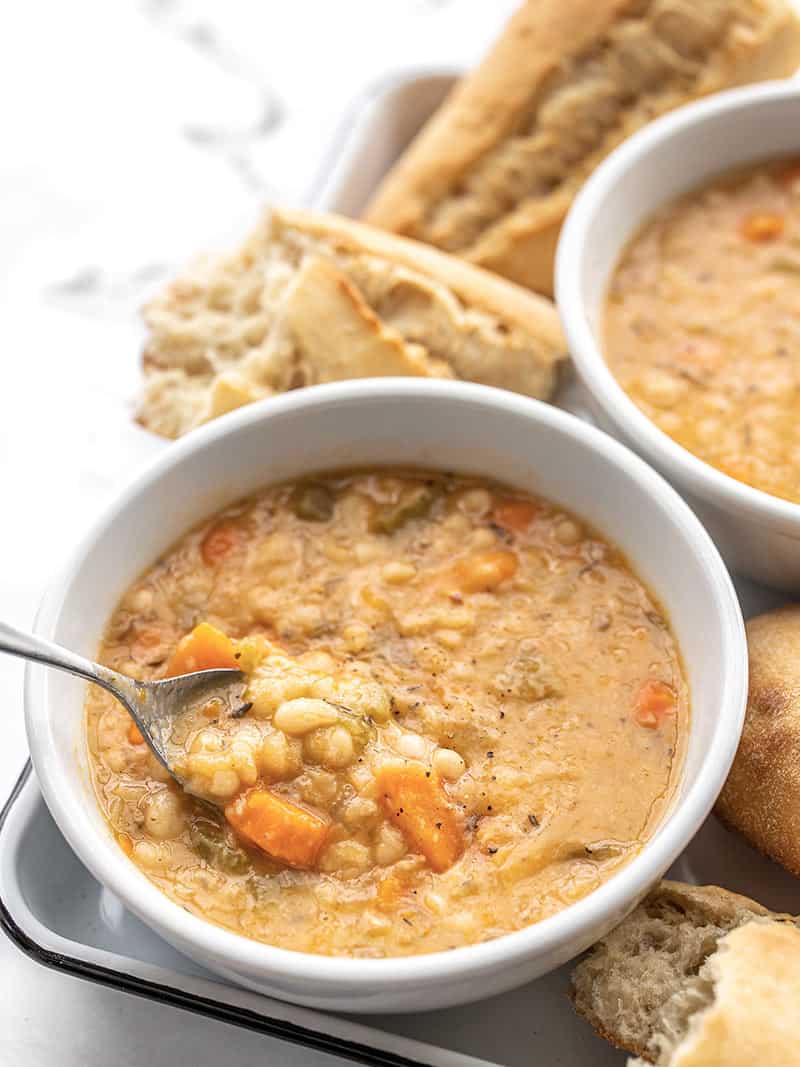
[
  {"x": 487, "y": 105},
  {"x": 458, "y": 185},
  {"x": 761, "y": 798},
  {"x": 712, "y": 902},
  {"x": 471, "y": 284}
]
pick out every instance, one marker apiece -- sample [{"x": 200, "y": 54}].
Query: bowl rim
[
  {"x": 688, "y": 470},
  {"x": 613, "y": 898}
]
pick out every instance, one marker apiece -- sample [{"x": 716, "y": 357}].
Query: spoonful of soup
[
  {"x": 191, "y": 722},
  {"x": 201, "y": 675}
]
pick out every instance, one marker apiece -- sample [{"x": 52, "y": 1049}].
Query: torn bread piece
[
  {"x": 696, "y": 976},
  {"x": 752, "y": 983},
  {"x": 492, "y": 174},
  {"x": 341, "y": 335},
  {"x": 311, "y": 298}
]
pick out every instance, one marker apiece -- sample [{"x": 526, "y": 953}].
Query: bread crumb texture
[
  {"x": 754, "y": 987},
  {"x": 315, "y": 298},
  {"x": 642, "y": 983}
]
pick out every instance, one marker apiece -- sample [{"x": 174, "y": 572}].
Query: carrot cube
[
  {"x": 654, "y": 702},
  {"x": 284, "y": 830},
  {"x": 203, "y": 649},
  {"x": 415, "y": 801},
  {"x": 483, "y": 572},
  {"x": 762, "y": 226},
  {"x": 513, "y": 514},
  {"x": 134, "y": 734},
  {"x": 219, "y": 541}
]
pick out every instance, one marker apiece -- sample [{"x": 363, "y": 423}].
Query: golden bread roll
[{"x": 761, "y": 797}]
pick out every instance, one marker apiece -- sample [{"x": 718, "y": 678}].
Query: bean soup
[
  {"x": 702, "y": 325},
  {"x": 463, "y": 712}
]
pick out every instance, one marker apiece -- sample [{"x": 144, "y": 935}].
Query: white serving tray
[{"x": 59, "y": 915}]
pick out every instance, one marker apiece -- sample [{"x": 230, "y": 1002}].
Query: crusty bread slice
[
  {"x": 491, "y": 176},
  {"x": 671, "y": 979},
  {"x": 312, "y": 298}
]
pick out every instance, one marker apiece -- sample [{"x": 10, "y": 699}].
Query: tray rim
[{"x": 333, "y": 160}]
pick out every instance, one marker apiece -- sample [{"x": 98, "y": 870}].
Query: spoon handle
[{"x": 31, "y": 646}]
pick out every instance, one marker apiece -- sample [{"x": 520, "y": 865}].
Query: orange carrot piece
[
  {"x": 485, "y": 571},
  {"x": 389, "y": 891},
  {"x": 655, "y": 701},
  {"x": 284, "y": 830},
  {"x": 219, "y": 541},
  {"x": 125, "y": 843},
  {"x": 761, "y": 226},
  {"x": 417, "y": 804},
  {"x": 513, "y": 514},
  {"x": 203, "y": 649},
  {"x": 135, "y": 734}
]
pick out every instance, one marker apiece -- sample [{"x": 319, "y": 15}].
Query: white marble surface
[{"x": 134, "y": 134}]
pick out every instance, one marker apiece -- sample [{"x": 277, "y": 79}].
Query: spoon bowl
[{"x": 155, "y": 706}]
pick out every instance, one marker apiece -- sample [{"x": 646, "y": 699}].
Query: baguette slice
[
  {"x": 696, "y": 976},
  {"x": 492, "y": 174},
  {"x": 312, "y": 298}
]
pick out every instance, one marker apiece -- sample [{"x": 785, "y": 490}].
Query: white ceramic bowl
[
  {"x": 758, "y": 534},
  {"x": 460, "y": 427}
]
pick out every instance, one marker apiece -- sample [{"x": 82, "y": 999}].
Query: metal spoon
[{"x": 155, "y": 707}]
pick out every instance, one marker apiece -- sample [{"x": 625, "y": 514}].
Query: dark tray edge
[{"x": 178, "y": 998}]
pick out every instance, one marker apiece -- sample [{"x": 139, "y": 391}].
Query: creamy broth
[
  {"x": 702, "y": 325},
  {"x": 464, "y": 712}
]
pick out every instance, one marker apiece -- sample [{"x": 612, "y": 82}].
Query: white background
[{"x": 134, "y": 134}]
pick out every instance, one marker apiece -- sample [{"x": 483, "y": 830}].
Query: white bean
[
  {"x": 448, "y": 763},
  {"x": 449, "y": 638},
  {"x": 163, "y": 817},
  {"x": 142, "y": 600},
  {"x": 661, "y": 387},
  {"x": 397, "y": 572},
  {"x": 483, "y": 538},
  {"x": 276, "y": 757},
  {"x": 319, "y": 788},
  {"x": 356, "y": 636},
  {"x": 332, "y": 747},
  {"x": 435, "y": 902},
  {"x": 411, "y": 745},
  {"x": 304, "y": 714},
  {"x": 152, "y": 856},
  {"x": 568, "y": 532},
  {"x": 317, "y": 661},
  {"x": 359, "y": 811},
  {"x": 475, "y": 502},
  {"x": 390, "y": 846},
  {"x": 224, "y": 784},
  {"x": 345, "y": 856}
]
